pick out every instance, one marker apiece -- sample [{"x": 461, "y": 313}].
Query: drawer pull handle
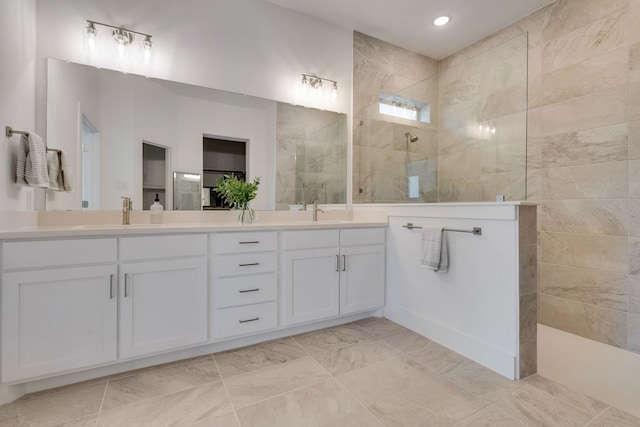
[
  {"x": 254, "y": 242},
  {"x": 249, "y": 264},
  {"x": 126, "y": 285},
  {"x": 344, "y": 263},
  {"x": 111, "y": 293},
  {"x": 337, "y": 262},
  {"x": 249, "y": 320},
  {"x": 249, "y": 290}
]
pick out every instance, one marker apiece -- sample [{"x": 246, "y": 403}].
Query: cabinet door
[
  {"x": 361, "y": 278},
  {"x": 311, "y": 285},
  {"x": 57, "y": 320},
  {"x": 163, "y": 305}
]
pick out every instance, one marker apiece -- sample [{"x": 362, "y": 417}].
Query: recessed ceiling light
[{"x": 441, "y": 20}]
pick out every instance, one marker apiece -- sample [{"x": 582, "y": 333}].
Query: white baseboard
[
  {"x": 481, "y": 352},
  {"x": 607, "y": 373}
]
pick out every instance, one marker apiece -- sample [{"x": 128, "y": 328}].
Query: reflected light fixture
[
  {"x": 310, "y": 81},
  {"x": 441, "y": 20},
  {"x": 122, "y": 37}
]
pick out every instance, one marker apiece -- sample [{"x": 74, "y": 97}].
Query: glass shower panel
[{"x": 459, "y": 136}]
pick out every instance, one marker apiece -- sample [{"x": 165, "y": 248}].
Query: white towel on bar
[
  {"x": 434, "y": 249},
  {"x": 31, "y": 167},
  {"x": 59, "y": 172}
]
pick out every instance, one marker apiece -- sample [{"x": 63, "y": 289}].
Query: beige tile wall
[
  {"x": 382, "y": 156},
  {"x": 583, "y": 146},
  {"x": 311, "y": 153},
  {"x": 583, "y": 155}
]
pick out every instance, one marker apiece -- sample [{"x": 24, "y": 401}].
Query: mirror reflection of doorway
[
  {"x": 90, "y": 155},
  {"x": 155, "y": 172}
]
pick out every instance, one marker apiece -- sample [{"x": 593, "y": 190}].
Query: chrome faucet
[
  {"x": 303, "y": 207},
  {"x": 316, "y": 209},
  {"x": 126, "y": 210}
]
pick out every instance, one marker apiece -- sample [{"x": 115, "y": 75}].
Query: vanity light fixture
[
  {"x": 310, "y": 81},
  {"x": 441, "y": 20},
  {"x": 122, "y": 37},
  {"x": 487, "y": 127}
]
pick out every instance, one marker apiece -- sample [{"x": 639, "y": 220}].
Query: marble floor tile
[
  {"x": 613, "y": 417},
  {"x": 567, "y": 395},
  {"x": 356, "y": 356},
  {"x": 385, "y": 379},
  {"x": 247, "y": 359},
  {"x": 406, "y": 341},
  {"x": 396, "y": 411},
  {"x": 310, "y": 406},
  {"x": 332, "y": 338},
  {"x": 483, "y": 382},
  {"x": 255, "y": 386},
  {"x": 439, "y": 358},
  {"x": 225, "y": 420},
  {"x": 445, "y": 398},
  {"x": 54, "y": 409},
  {"x": 490, "y": 417},
  {"x": 159, "y": 381},
  {"x": 360, "y": 418},
  {"x": 534, "y": 407},
  {"x": 379, "y": 326},
  {"x": 200, "y": 404}
]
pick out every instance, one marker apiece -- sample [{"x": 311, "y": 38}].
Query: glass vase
[{"x": 246, "y": 215}]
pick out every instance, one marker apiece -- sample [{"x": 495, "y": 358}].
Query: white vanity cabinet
[
  {"x": 244, "y": 283},
  {"x": 162, "y": 293},
  {"x": 59, "y": 306},
  {"x": 326, "y": 273}
]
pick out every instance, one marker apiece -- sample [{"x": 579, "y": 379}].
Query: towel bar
[
  {"x": 9, "y": 132},
  {"x": 476, "y": 231}
]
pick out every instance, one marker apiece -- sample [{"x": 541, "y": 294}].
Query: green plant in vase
[{"x": 238, "y": 194}]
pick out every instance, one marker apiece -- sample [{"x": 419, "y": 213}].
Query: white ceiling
[{"x": 409, "y": 23}]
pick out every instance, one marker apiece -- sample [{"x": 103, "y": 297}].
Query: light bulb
[
  {"x": 305, "y": 84},
  {"x": 493, "y": 130},
  {"x": 91, "y": 37},
  {"x": 147, "y": 47},
  {"x": 334, "y": 91},
  {"x": 441, "y": 20}
]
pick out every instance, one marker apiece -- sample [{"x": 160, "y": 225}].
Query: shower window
[{"x": 404, "y": 108}]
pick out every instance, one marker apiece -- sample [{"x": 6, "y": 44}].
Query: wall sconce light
[
  {"x": 122, "y": 38},
  {"x": 317, "y": 83}
]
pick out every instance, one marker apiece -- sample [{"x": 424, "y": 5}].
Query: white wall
[
  {"x": 473, "y": 308},
  {"x": 69, "y": 89},
  {"x": 17, "y": 94},
  {"x": 246, "y": 46}
]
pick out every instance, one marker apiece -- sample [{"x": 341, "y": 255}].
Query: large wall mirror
[{"x": 125, "y": 135}]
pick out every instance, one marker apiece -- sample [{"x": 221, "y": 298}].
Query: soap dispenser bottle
[{"x": 156, "y": 211}]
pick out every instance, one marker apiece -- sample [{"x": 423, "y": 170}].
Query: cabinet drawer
[
  {"x": 362, "y": 236},
  {"x": 56, "y": 253},
  {"x": 246, "y": 319},
  {"x": 241, "y": 290},
  {"x": 241, "y": 264},
  {"x": 311, "y": 239},
  {"x": 256, "y": 241},
  {"x": 153, "y": 247}
]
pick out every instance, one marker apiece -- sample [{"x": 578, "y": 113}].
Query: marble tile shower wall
[
  {"x": 382, "y": 156},
  {"x": 311, "y": 156},
  {"x": 584, "y": 163},
  {"x": 489, "y": 90}
]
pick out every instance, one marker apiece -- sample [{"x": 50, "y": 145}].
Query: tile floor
[{"x": 371, "y": 372}]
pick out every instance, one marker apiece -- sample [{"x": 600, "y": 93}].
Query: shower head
[{"x": 411, "y": 137}]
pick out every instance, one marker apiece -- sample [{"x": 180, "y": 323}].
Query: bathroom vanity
[{"x": 92, "y": 298}]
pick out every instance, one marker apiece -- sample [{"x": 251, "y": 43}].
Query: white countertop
[{"x": 48, "y": 228}]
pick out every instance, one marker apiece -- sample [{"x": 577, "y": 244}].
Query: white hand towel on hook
[
  {"x": 434, "y": 249},
  {"x": 31, "y": 167}
]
